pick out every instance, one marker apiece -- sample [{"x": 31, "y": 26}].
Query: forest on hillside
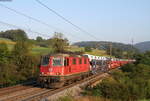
[
  {"x": 143, "y": 46},
  {"x": 119, "y": 50},
  {"x": 105, "y": 45}
]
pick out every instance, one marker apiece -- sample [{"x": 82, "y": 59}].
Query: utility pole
[
  {"x": 110, "y": 49},
  {"x": 132, "y": 42}
]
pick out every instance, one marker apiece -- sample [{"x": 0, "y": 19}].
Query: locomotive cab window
[
  {"x": 74, "y": 61},
  {"x": 85, "y": 61},
  {"x": 45, "y": 61},
  {"x": 66, "y": 62},
  {"x": 57, "y": 62},
  {"x": 80, "y": 61}
]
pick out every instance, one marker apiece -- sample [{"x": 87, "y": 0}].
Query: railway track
[
  {"x": 82, "y": 83},
  {"x": 15, "y": 88},
  {"x": 19, "y": 96},
  {"x": 8, "y": 91},
  {"x": 31, "y": 93}
]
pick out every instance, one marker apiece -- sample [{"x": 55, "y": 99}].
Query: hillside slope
[{"x": 143, "y": 46}]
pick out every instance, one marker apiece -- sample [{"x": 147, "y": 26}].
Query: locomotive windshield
[
  {"x": 45, "y": 61},
  {"x": 57, "y": 62}
]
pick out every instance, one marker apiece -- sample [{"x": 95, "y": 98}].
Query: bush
[
  {"x": 88, "y": 49},
  {"x": 15, "y": 35},
  {"x": 65, "y": 98},
  {"x": 4, "y": 53},
  {"x": 18, "y": 65}
]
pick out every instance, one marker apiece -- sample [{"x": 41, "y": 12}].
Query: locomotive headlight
[
  {"x": 58, "y": 73},
  {"x": 50, "y": 69},
  {"x": 41, "y": 73}
]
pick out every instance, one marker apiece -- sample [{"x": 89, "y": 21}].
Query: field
[
  {"x": 37, "y": 50},
  {"x": 41, "y": 50},
  {"x": 97, "y": 52},
  {"x": 75, "y": 49},
  {"x": 93, "y": 52},
  {"x": 9, "y": 43}
]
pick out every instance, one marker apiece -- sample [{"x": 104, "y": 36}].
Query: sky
[{"x": 107, "y": 20}]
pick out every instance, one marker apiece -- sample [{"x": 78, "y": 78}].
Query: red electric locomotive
[{"x": 60, "y": 69}]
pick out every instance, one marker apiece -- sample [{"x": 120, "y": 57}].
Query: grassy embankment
[
  {"x": 84, "y": 98},
  {"x": 87, "y": 98}
]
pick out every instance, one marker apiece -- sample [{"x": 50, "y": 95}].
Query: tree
[
  {"x": 24, "y": 61},
  {"x": 3, "y": 52},
  {"x": 8, "y": 74},
  {"x": 58, "y": 42},
  {"x": 39, "y": 39},
  {"x": 88, "y": 49},
  {"x": 143, "y": 58},
  {"x": 7, "y": 69},
  {"x": 21, "y": 48},
  {"x": 15, "y": 35},
  {"x": 129, "y": 83},
  {"x": 118, "y": 53}
]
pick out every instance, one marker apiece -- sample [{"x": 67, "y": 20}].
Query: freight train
[{"x": 62, "y": 69}]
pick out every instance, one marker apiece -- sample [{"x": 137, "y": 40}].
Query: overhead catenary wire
[
  {"x": 76, "y": 26},
  {"x": 36, "y": 20},
  {"x": 27, "y": 16},
  {"x": 28, "y": 30}
]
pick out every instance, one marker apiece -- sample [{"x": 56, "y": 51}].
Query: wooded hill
[
  {"x": 104, "y": 45},
  {"x": 143, "y": 46}
]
